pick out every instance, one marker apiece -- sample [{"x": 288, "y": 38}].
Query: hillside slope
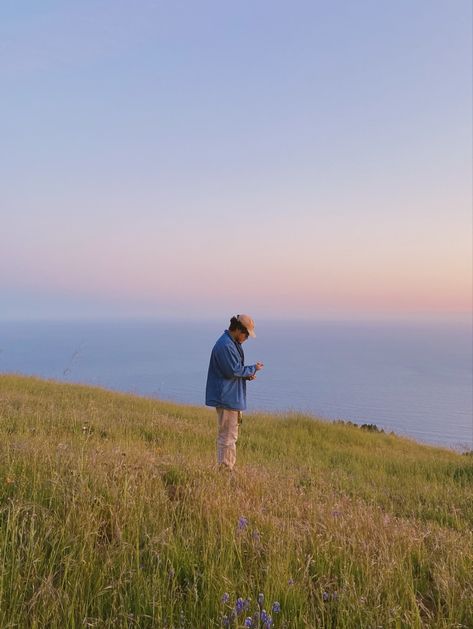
[{"x": 112, "y": 514}]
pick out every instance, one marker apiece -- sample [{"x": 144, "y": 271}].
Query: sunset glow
[{"x": 300, "y": 161}]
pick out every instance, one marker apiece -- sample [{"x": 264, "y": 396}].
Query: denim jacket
[{"x": 226, "y": 384}]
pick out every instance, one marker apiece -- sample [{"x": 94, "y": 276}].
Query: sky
[{"x": 197, "y": 159}]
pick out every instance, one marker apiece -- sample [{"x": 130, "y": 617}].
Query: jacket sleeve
[{"x": 231, "y": 366}]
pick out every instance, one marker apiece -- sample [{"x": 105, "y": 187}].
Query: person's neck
[{"x": 233, "y": 335}]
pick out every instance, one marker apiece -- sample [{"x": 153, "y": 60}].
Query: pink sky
[{"x": 305, "y": 161}]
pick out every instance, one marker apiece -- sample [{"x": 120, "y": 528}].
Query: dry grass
[{"x": 113, "y": 515}]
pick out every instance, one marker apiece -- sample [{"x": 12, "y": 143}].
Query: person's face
[{"x": 242, "y": 336}]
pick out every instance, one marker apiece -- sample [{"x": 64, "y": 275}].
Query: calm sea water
[{"x": 415, "y": 380}]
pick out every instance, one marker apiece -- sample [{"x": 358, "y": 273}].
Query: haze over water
[{"x": 411, "y": 378}]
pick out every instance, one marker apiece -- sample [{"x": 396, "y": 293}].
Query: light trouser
[{"x": 227, "y": 436}]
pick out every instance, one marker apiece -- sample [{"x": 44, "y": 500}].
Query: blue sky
[{"x": 309, "y": 158}]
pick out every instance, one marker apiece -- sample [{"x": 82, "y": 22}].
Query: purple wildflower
[
  {"x": 276, "y": 607},
  {"x": 225, "y": 597},
  {"x": 264, "y": 616},
  {"x": 242, "y": 523},
  {"x": 225, "y": 621},
  {"x": 260, "y": 598},
  {"x": 240, "y": 606},
  {"x": 326, "y": 596},
  {"x": 290, "y": 582},
  {"x": 268, "y": 623},
  {"x": 248, "y": 622}
]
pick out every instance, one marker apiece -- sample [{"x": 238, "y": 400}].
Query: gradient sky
[{"x": 289, "y": 159}]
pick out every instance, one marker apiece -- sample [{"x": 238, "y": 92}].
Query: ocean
[{"x": 410, "y": 378}]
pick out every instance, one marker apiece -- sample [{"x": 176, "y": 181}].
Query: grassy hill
[{"x": 112, "y": 514}]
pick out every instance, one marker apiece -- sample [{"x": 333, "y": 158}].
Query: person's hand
[
  {"x": 259, "y": 366},
  {"x": 253, "y": 377}
]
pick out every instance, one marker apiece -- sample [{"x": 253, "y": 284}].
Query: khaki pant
[{"x": 227, "y": 435}]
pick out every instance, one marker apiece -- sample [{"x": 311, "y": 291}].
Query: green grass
[{"x": 112, "y": 514}]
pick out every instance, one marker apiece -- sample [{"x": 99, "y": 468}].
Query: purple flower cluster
[
  {"x": 266, "y": 619},
  {"x": 242, "y": 523},
  {"x": 260, "y": 619},
  {"x": 242, "y": 605}
]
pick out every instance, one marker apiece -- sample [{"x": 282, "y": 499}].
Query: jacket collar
[{"x": 237, "y": 345}]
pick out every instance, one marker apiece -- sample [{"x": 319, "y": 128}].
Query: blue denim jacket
[{"x": 226, "y": 384}]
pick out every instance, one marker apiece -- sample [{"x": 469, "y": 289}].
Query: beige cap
[{"x": 249, "y": 324}]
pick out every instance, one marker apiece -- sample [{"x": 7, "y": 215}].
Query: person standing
[{"x": 226, "y": 385}]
